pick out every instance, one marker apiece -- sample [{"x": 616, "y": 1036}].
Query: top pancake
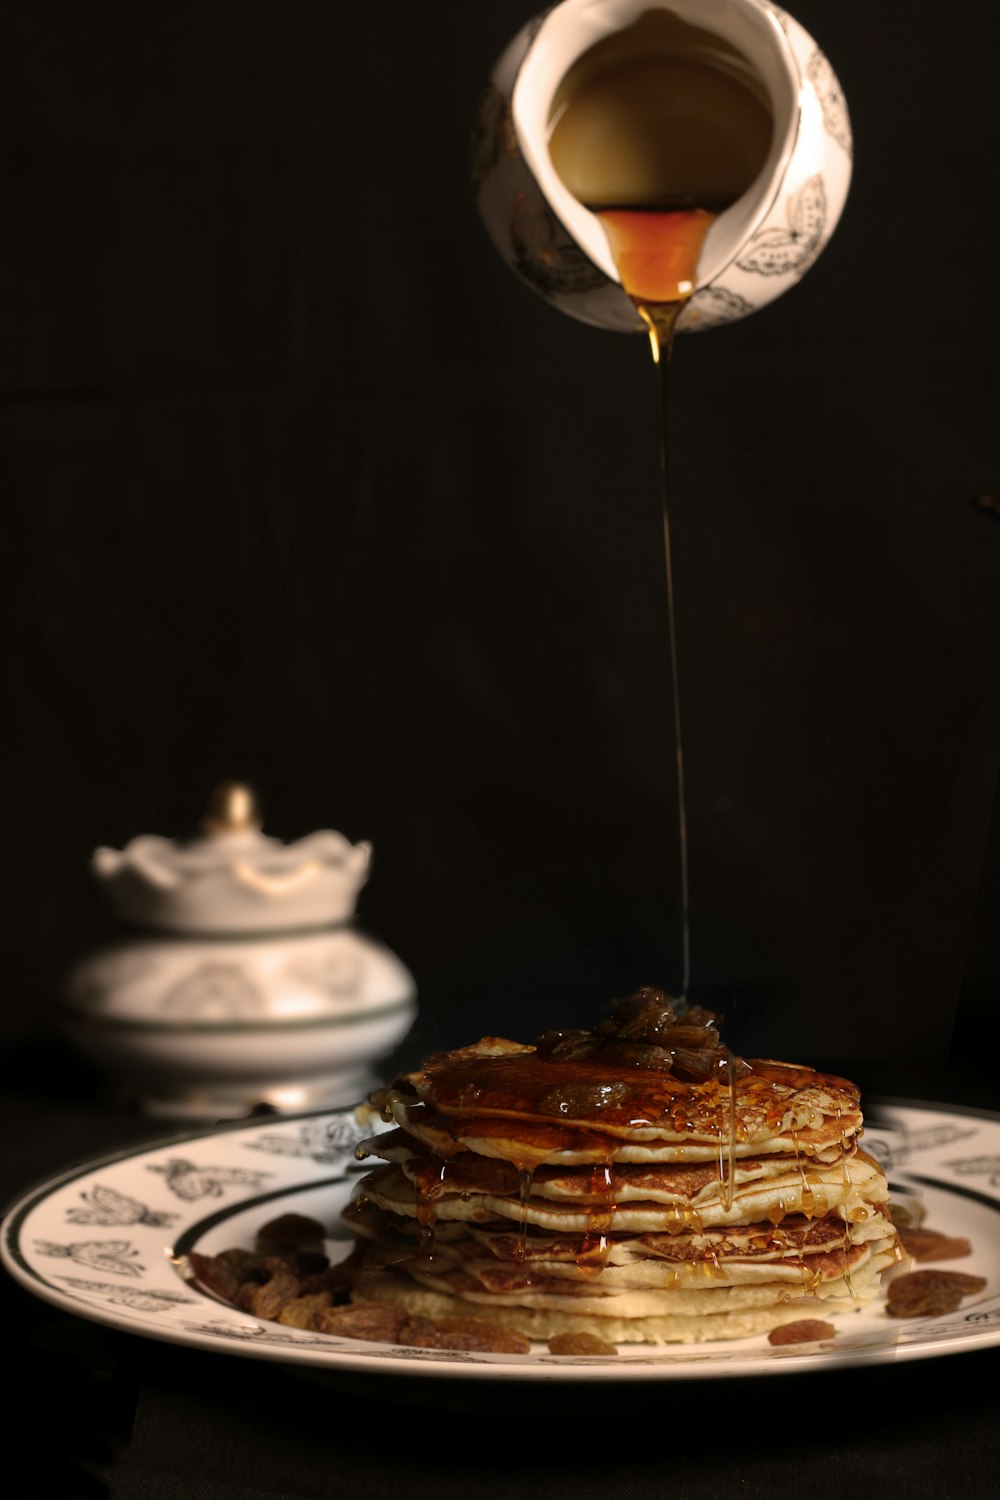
[{"x": 503, "y": 1099}]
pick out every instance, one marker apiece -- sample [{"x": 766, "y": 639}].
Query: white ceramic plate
[{"x": 108, "y": 1241}]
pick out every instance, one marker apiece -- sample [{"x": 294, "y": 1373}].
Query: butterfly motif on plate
[
  {"x": 105, "y": 1205},
  {"x": 324, "y": 1141},
  {"x": 791, "y": 251},
  {"x": 189, "y": 1182},
  {"x": 896, "y": 1151},
  {"x": 256, "y": 1333},
  {"x": 140, "y": 1299},
  {"x": 971, "y": 1166},
  {"x": 99, "y": 1255}
]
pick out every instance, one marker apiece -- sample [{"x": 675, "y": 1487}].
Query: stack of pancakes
[{"x": 637, "y": 1182}]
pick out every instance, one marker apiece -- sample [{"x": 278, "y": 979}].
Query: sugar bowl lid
[{"x": 232, "y": 878}]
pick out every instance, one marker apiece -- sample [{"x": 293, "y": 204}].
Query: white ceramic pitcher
[{"x": 758, "y": 248}]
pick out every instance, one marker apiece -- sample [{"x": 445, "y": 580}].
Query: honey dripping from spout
[
  {"x": 657, "y": 129},
  {"x": 656, "y": 253}
]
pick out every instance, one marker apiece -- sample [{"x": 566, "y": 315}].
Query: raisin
[
  {"x": 644, "y": 1013},
  {"x": 564, "y": 1045},
  {"x": 274, "y": 1265},
  {"x": 638, "y": 1055},
  {"x": 290, "y": 1229},
  {"x": 245, "y": 1295},
  {"x": 906, "y": 1214},
  {"x": 928, "y": 1302},
  {"x": 696, "y": 1066},
  {"x": 697, "y": 1015},
  {"x": 928, "y": 1244},
  {"x": 212, "y": 1273},
  {"x": 244, "y": 1263},
  {"x": 476, "y": 1334},
  {"x": 420, "y": 1332},
  {"x": 959, "y": 1281},
  {"x": 299, "y": 1261},
  {"x": 335, "y": 1279},
  {"x": 268, "y": 1300},
  {"x": 300, "y": 1311},
  {"x": 362, "y": 1320},
  {"x": 805, "y": 1331},
  {"x": 698, "y": 1038},
  {"x": 297, "y": 1237},
  {"x": 579, "y": 1343},
  {"x": 929, "y": 1293},
  {"x": 645, "y": 1030}
]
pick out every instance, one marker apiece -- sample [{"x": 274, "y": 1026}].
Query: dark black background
[{"x": 301, "y": 485}]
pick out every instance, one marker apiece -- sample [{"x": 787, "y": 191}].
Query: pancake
[
  {"x": 532, "y": 1143},
  {"x": 806, "y": 1260},
  {"x": 637, "y": 1181},
  {"x": 847, "y": 1192},
  {"x": 684, "y": 1295},
  {"x": 545, "y": 1323}
]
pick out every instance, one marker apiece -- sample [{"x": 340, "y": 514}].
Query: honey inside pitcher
[{"x": 657, "y": 129}]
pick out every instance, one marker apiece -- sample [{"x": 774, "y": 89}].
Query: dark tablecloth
[{"x": 95, "y": 1412}]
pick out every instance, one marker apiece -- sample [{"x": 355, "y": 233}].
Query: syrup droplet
[
  {"x": 847, "y": 1217},
  {"x": 807, "y": 1195},
  {"x": 524, "y": 1183}
]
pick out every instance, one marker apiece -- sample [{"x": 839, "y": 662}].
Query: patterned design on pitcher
[
  {"x": 791, "y": 251},
  {"x": 711, "y": 306},
  {"x": 492, "y": 135},
  {"x": 545, "y": 255},
  {"x": 339, "y": 974},
  {"x": 831, "y": 100},
  {"x": 214, "y": 992}
]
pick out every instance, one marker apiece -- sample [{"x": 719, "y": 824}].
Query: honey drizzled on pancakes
[{"x": 636, "y": 1177}]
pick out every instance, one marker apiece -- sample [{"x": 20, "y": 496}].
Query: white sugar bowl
[
  {"x": 245, "y": 984},
  {"x": 757, "y": 249}
]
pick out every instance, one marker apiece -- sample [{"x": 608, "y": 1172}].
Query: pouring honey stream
[{"x": 657, "y": 130}]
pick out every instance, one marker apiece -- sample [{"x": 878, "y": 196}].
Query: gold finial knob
[{"x": 231, "y": 808}]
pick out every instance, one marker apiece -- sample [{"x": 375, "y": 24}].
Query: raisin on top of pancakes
[
  {"x": 648, "y": 1030},
  {"x": 652, "y": 1060}
]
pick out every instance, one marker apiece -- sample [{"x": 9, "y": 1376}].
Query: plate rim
[{"x": 533, "y": 1369}]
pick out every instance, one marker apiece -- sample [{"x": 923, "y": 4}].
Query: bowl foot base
[{"x": 236, "y": 1102}]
